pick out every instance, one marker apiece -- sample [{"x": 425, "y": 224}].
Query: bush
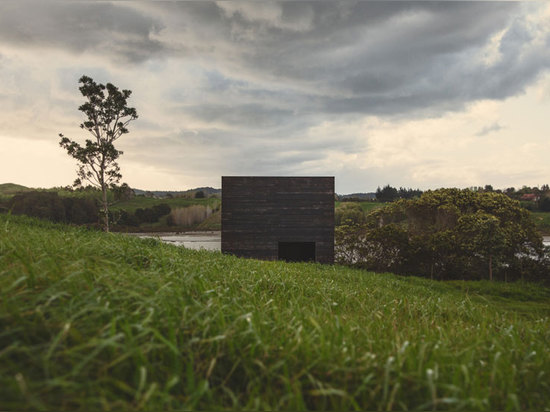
[
  {"x": 80, "y": 210},
  {"x": 152, "y": 215},
  {"x": 544, "y": 204},
  {"x": 49, "y": 205},
  {"x": 447, "y": 234},
  {"x": 349, "y": 213}
]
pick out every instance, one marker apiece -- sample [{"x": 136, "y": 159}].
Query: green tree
[
  {"x": 448, "y": 234},
  {"x": 481, "y": 235},
  {"x": 544, "y": 204},
  {"x": 108, "y": 116},
  {"x": 387, "y": 194},
  {"x": 347, "y": 213}
]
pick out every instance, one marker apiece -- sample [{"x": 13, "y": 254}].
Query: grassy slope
[
  {"x": 367, "y": 206},
  {"x": 214, "y": 222},
  {"x": 103, "y": 321},
  {"x": 7, "y": 190},
  {"x": 146, "y": 202},
  {"x": 12, "y": 188}
]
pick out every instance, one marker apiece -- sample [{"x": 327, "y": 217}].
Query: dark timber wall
[{"x": 262, "y": 217}]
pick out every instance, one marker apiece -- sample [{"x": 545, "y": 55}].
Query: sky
[{"x": 411, "y": 94}]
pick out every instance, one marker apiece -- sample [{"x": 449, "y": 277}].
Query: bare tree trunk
[
  {"x": 491, "y": 268},
  {"x": 105, "y": 208}
]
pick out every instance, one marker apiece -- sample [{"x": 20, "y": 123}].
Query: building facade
[{"x": 270, "y": 218}]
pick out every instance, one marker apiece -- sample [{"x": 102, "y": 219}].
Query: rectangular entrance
[{"x": 297, "y": 251}]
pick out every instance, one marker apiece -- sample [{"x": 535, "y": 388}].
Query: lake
[
  {"x": 211, "y": 240},
  {"x": 189, "y": 240}
]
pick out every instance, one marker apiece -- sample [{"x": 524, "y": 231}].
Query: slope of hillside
[
  {"x": 8, "y": 189},
  {"x": 100, "y": 321}
]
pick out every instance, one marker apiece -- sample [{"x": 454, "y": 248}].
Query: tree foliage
[
  {"x": 51, "y": 206},
  {"x": 390, "y": 194},
  {"x": 447, "y": 234},
  {"x": 348, "y": 213},
  {"x": 108, "y": 116}
]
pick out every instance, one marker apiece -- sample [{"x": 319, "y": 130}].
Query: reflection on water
[
  {"x": 189, "y": 240},
  {"x": 211, "y": 240}
]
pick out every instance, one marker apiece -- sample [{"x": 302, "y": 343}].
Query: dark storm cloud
[
  {"x": 114, "y": 30},
  {"x": 387, "y": 58},
  {"x": 374, "y": 58}
]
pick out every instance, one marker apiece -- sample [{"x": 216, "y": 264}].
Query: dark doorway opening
[{"x": 297, "y": 251}]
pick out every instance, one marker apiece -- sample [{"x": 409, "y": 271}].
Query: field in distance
[{"x": 101, "y": 321}]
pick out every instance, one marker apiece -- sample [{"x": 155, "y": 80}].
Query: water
[
  {"x": 189, "y": 240},
  {"x": 211, "y": 240}
]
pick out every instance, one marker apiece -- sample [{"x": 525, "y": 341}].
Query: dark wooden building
[{"x": 287, "y": 218}]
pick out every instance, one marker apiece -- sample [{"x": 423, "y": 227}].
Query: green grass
[
  {"x": 95, "y": 321},
  {"x": 367, "y": 206},
  {"x": 148, "y": 202},
  {"x": 7, "y": 189},
  {"x": 542, "y": 220},
  {"x": 212, "y": 223}
]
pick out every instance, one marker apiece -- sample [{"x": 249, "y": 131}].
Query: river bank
[{"x": 209, "y": 240}]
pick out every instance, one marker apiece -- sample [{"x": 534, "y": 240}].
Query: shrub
[
  {"x": 152, "y": 215},
  {"x": 447, "y": 234},
  {"x": 49, "y": 205},
  {"x": 349, "y": 213}
]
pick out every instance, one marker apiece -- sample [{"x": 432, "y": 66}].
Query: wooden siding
[{"x": 260, "y": 212}]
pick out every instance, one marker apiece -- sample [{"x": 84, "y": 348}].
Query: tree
[
  {"x": 123, "y": 192},
  {"x": 386, "y": 194},
  {"x": 349, "y": 213},
  {"x": 448, "y": 234},
  {"x": 108, "y": 116},
  {"x": 544, "y": 204}
]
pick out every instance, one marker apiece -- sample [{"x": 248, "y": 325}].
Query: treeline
[
  {"x": 83, "y": 208},
  {"x": 447, "y": 234},
  {"x": 390, "y": 194},
  {"x": 141, "y": 215},
  {"x": 531, "y": 198},
  {"x": 77, "y": 210},
  {"x": 51, "y": 206}
]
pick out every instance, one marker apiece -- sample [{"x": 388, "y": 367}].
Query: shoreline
[{"x": 182, "y": 233}]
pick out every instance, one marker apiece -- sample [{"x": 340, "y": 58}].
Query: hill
[
  {"x": 208, "y": 191},
  {"x": 102, "y": 321},
  {"x": 371, "y": 196},
  {"x": 8, "y": 189}
]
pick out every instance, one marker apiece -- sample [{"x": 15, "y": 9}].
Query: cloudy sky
[{"x": 413, "y": 94}]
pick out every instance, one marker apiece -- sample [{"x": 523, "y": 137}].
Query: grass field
[
  {"x": 542, "y": 220},
  {"x": 147, "y": 202},
  {"x": 366, "y": 206},
  {"x": 99, "y": 321}
]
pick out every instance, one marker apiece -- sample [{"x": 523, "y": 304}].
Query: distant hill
[
  {"x": 191, "y": 192},
  {"x": 8, "y": 189},
  {"x": 360, "y": 196}
]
